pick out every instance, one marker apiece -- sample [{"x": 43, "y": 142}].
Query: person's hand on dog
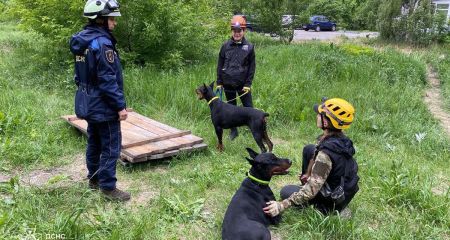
[
  {"x": 273, "y": 208},
  {"x": 246, "y": 89}
]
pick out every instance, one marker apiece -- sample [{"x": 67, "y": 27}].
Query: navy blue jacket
[
  {"x": 99, "y": 73},
  {"x": 236, "y": 64}
]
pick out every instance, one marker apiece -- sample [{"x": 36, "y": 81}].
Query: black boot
[
  {"x": 116, "y": 195},
  {"x": 93, "y": 184},
  {"x": 233, "y": 133}
]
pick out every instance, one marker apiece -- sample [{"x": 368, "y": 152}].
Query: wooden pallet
[{"x": 145, "y": 139}]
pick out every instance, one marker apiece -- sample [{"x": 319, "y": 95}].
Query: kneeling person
[{"x": 329, "y": 171}]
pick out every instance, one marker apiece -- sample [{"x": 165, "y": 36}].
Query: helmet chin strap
[{"x": 321, "y": 119}]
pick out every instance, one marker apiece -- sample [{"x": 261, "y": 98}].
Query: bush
[
  {"x": 169, "y": 32},
  {"x": 149, "y": 31},
  {"x": 413, "y": 22},
  {"x": 366, "y": 15}
]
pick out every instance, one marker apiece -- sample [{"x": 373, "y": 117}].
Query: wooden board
[{"x": 145, "y": 139}]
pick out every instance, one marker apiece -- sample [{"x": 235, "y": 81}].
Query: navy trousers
[{"x": 103, "y": 150}]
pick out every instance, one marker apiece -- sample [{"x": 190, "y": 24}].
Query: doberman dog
[
  {"x": 225, "y": 116},
  {"x": 245, "y": 218}
]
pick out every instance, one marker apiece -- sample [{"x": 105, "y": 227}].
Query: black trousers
[
  {"x": 321, "y": 203},
  {"x": 245, "y": 99}
]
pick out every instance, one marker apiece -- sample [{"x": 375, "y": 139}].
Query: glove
[
  {"x": 274, "y": 208},
  {"x": 246, "y": 89}
]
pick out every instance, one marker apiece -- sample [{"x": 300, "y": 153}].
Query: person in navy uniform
[
  {"x": 236, "y": 67},
  {"x": 100, "y": 97}
]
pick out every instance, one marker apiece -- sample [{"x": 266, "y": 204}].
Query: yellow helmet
[{"x": 339, "y": 111}]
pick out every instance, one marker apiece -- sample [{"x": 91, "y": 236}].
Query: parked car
[
  {"x": 319, "y": 23},
  {"x": 287, "y": 20}
]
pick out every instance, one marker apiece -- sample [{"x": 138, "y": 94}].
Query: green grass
[
  {"x": 438, "y": 57},
  {"x": 398, "y": 170}
]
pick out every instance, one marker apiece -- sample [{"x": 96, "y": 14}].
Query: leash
[
  {"x": 212, "y": 99},
  {"x": 220, "y": 92},
  {"x": 257, "y": 179}
]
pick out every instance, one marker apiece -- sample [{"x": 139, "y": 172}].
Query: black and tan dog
[
  {"x": 245, "y": 218},
  {"x": 226, "y": 116}
]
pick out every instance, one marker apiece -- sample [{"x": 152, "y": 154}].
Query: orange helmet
[{"x": 238, "y": 22}]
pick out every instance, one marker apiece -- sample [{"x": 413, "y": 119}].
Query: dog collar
[
  {"x": 214, "y": 98},
  {"x": 257, "y": 179}
]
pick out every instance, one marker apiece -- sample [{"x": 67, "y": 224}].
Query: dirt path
[
  {"x": 75, "y": 173},
  {"x": 433, "y": 97},
  {"x": 434, "y": 101}
]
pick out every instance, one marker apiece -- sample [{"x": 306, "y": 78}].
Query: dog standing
[
  {"x": 245, "y": 218},
  {"x": 225, "y": 116}
]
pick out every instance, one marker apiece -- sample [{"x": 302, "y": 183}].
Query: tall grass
[
  {"x": 438, "y": 57},
  {"x": 398, "y": 169}
]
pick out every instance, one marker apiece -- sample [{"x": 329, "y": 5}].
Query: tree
[{"x": 412, "y": 21}]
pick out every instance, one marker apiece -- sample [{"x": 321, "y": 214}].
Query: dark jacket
[
  {"x": 236, "y": 64},
  {"x": 98, "y": 74},
  {"x": 340, "y": 150}
]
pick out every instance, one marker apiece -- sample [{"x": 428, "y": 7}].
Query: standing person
[
  {"x": 329, "y": 171},
  {"x": 100, "y": 99},
  {"x": 236, "y": 66}
]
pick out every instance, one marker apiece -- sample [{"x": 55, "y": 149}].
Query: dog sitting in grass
[
  {"x": 226, "y": 116},
  {"x": 245, "y": 218}
]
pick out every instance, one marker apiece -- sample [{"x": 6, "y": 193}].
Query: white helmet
[{"x": 101, "y": 8}]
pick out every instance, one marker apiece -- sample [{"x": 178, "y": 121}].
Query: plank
[
  {"x": 162, "y": 146},
  {"x": 145, "y": 139},
  {"x": 158, "y": 138},
  {"x": 172, "y": 153},
  {"x": 146, "y": 125},
  {"x": 153, "y": 122},
  {"x": 131, "y": 133}
]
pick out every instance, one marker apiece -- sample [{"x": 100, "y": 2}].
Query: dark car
[{"x": 318, "y": 23}]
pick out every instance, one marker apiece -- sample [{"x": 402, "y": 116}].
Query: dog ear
[
  {"x": 252, "y": 153},
  {"x": 251, "y": 161},
  {"x": 204, "y": 85},
  {"x": 212, "y": 84}
]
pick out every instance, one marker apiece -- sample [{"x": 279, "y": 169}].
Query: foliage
[
  {"x": 366, "y": 15},
  {"x": 152, "y": 32},
  {"x": 411, "y": 21},
  {"x": 168, "y": 32},
  {"x": 2, "y": 6}
]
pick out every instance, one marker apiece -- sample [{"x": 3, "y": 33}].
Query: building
[{"x": 442, "y": 6}]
